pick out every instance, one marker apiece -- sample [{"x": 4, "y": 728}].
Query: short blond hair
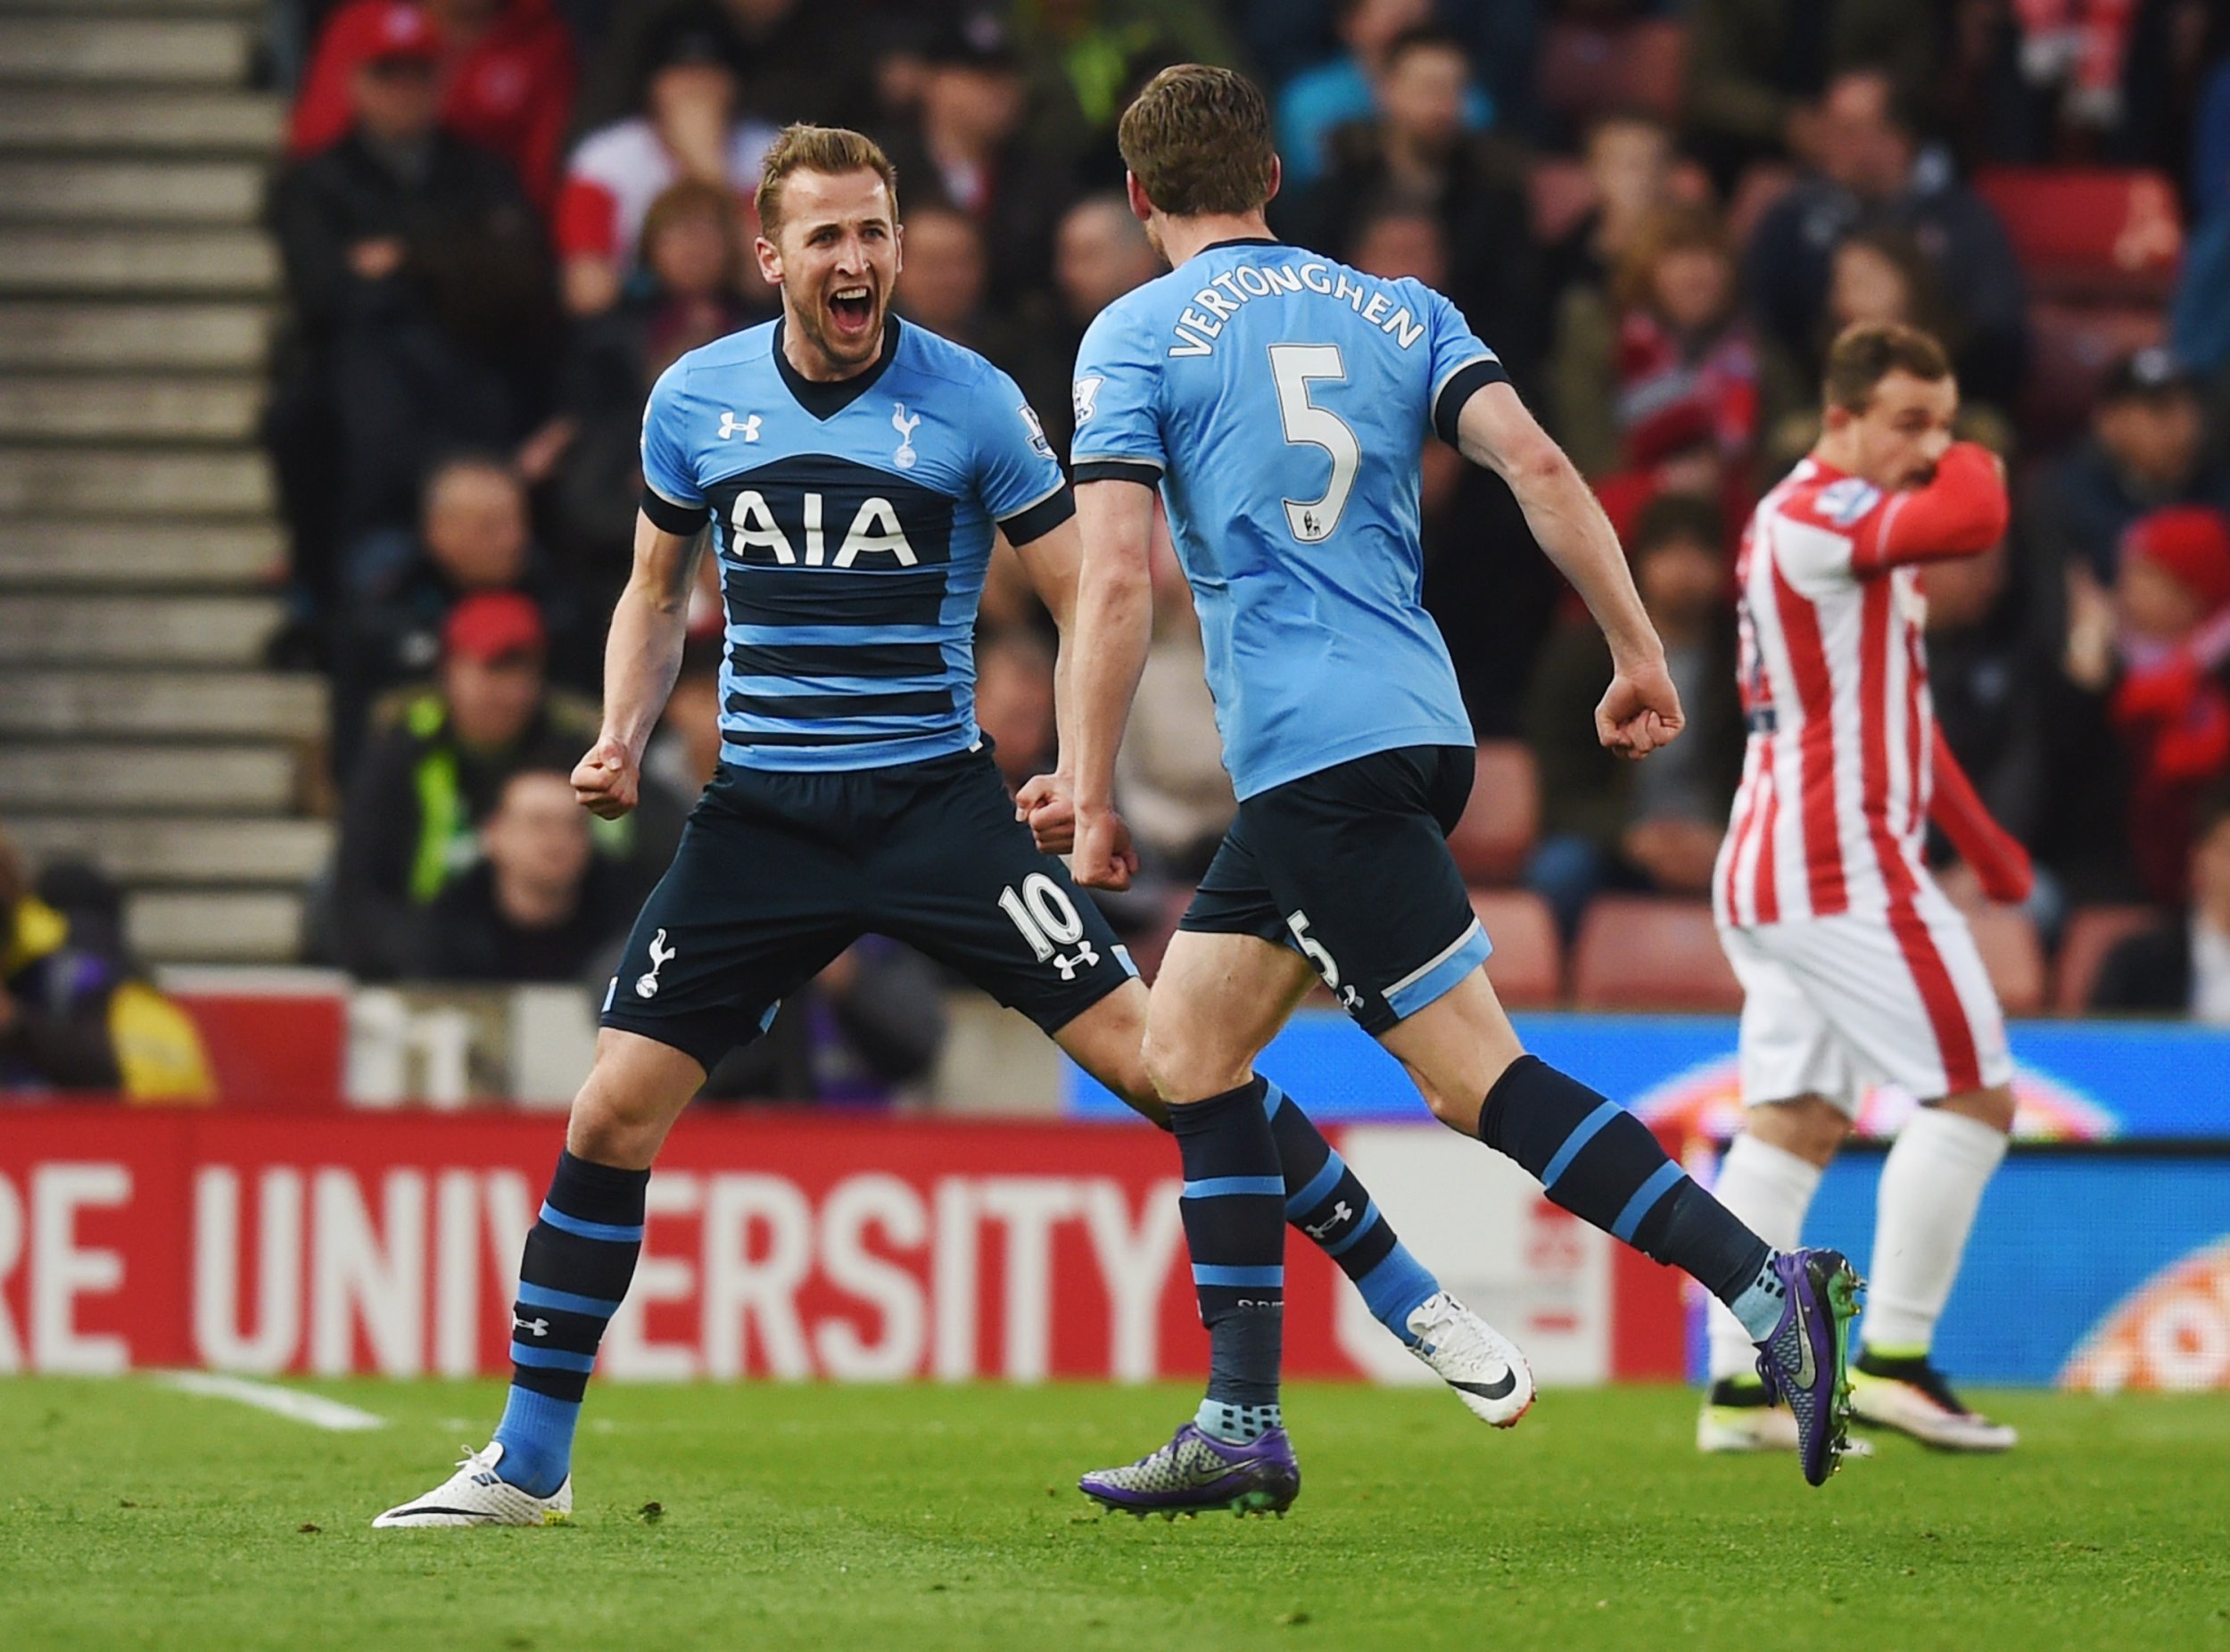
[{"x": 827, "y": 149}]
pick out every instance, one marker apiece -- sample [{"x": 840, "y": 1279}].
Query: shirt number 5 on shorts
[
  {"x": 1048, "y": 921},
  {"x": 1307, "y": 424}
]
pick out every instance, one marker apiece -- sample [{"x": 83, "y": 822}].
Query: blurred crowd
[{"x": 500, "y": 220}]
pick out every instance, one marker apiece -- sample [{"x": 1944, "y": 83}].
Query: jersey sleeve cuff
[
  {"x": 670, "y": 518},
  {"x": 1036, "y": 520},
  {"x": 1143, "y": 471},
  {"x": 1462, "y": 385}
]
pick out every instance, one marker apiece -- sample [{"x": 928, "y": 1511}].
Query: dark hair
[
  {"x": 1676, "y": 518},
  {"x": 1198, "y": 141},
  {"x": 1866, "y": 352},
  {"x": 829, "y": 149}
]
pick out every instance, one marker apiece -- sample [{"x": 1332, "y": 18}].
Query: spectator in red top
[
  {"x": 1670, "y": 353},
  {"x": 691, "y": 129},
  {"x": 2158, "y": 650},
  {"x": 507, "y": 76}
]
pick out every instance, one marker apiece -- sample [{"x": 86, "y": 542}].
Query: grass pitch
[{"x": 898, "y": 1518}]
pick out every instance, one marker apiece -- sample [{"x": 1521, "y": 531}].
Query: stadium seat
[
  {"x": 2073, "y": 347},
  {"x": 1588, "y": 69},
  {"x": 1527, "y": 967},
  {"x": 1497, "y": 831},
  {"x": 2092, "y": 932},
  {"x": 2090, "y": 232},
  {"x": 2006, "y": 938},
  {"x": 1639, "y": 952}
]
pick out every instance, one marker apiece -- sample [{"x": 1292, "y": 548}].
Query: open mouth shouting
[{"x": 851, "y": 313}]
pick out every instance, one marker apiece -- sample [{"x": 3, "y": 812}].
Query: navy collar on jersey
[
  {"x": 1242, "y": 241},
  {"x": 825, "y": 398}
]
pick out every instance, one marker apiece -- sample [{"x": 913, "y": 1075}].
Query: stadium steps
[
  {"x": 67, "y": 555},
  {"x": 103, "y": 191},
  {"x": 142, "y": 705},
  {"x": 186, "y": 850},
  {"x": 137, "y": 544},
  {"x": 127, "y": 338}
]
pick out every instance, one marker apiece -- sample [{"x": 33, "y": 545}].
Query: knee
[
  {"x": 1459, "y": 1110},
  {"x": 1808, "y": 1126},
  {"x": 1180, "y": 1065}
]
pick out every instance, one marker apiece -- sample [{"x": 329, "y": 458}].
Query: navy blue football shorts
[
  {"x": 778, "y": 872},
  {"x": 1350, "y": 867}
]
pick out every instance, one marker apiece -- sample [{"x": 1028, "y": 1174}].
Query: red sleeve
[
  {"x": 543, "y": 148},
  {"x": 321, "y": 114},
  {"x": 587, "y": 220},
  {"x": 1961, "y": 513},
  {"x": 2001, "y": 865}
]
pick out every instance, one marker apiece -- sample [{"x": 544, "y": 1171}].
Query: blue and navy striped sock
[
  {"x": 579, "y": 1257},
  {"x": 1324, "y": 1200},
  {"x": 1235, "y": 1225},
  {"x": 1601, "y": 1162}
]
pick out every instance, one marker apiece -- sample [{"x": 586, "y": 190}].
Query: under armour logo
[
  {"x": 904, "y": 424},
  {"x": 729, "y": 426},
  {"x": 1085, "y": 958},
  {"x": 533, "y": 1327},
  {"x": 1340, "y": 1212},
  {"x": 661, "y": 955}
]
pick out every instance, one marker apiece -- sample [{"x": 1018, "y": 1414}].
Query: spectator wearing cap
[
  {"x": 1417, "y": 151},
  {"x": 473, "y": 535},
  {"x": 2181, "y": 967},
  {"x": 1608, "y": 824},
  {"x": 540, "y": 904},
  {"x": 2147, "y": 448},
  {"x": 966, "y": 148},
  {"x": 691, "y": 127},
  {"x": 1756, "y": 67},
  {"x": 792, "y": 61},
  {"x": 1346, "y": 88},
  {"x": 2158, "y": 651},
  {"x": 1871, "y": 168},
  {"x": 506, "y": 67},
  {"x": 420, "y": 292},
  {"x": 411, "y": 816}
]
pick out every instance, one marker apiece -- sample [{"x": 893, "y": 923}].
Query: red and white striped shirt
[{"x": 1832, "y": 810}]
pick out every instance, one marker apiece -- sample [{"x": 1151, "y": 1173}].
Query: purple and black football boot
[
  {"x": 1197, "y": 1472},
  {"x": 1804, "y": 1362}
]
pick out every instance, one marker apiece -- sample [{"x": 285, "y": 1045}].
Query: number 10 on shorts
[{"x": 1048, "y": 921}]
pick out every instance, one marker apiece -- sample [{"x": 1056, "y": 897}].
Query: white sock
[
  {"x": 1769, "y": 1189},
  {"x": 1931, "y": 1185}
]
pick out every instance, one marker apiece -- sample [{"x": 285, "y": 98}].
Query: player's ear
[
  {"x": 1277, "y": 176},
  {"x": 898, "y": 247},
  {"x": 1141, "y": 208},
  {"x": 769, "y": 257}
]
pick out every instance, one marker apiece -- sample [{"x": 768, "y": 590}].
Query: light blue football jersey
[
  {"x": 1280, "y": 401},
  {"x": 853, "y": 522}
]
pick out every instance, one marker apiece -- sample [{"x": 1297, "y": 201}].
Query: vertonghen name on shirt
[{"x": 1202, "y": 320}]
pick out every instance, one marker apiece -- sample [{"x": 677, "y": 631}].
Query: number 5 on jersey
[{"x": 1307, "y": 424}]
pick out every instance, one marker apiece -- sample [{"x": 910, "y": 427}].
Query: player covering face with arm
[
  {"x": 1856, "y": 968},
  {"x": 1279, "y": 403},
  {"x": 853, "y": 472}
]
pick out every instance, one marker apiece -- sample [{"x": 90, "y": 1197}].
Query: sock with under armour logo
[
  {"x": 1234, "y": 1210},
  {"x": 579, "y": 1257},
  {"x": 1331, "y": 1209},
  {"x": 1598, "y": 1162}
]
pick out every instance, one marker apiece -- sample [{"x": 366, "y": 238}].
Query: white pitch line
[{"x": 314, "y": 1410}]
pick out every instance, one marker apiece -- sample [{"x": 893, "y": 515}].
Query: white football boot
[
  {"x": 476, "y": 1495},
  {"x": 1485, "y": 1367},
  {"x": 1912, "y": 1397}
]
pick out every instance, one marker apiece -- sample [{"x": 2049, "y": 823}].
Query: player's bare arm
[
  {"x": 1114, "y": 624},
  {"x": 641, "y": 659},
  {"x": 1052, "y": 560},
  {"x": 1642, "y": 709}
]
